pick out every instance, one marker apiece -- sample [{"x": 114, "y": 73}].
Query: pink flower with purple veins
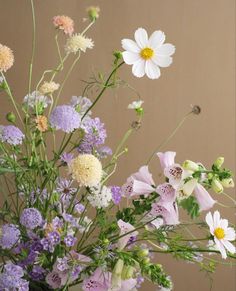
[
  {"x": 99, "y": 281},
  {"x": 125, "y": 228}
]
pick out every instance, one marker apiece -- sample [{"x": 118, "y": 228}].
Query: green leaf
[{"x": 190, "y": 204}]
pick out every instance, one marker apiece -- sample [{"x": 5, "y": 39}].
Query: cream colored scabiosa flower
[
  {"x": 6, "y": 58},
  {"x": 86, "y": 170},
  {"x": 65, "y": 23},
  {"x": 146, "y": 55},
  {"x": 78, "y": 42},
  {"x": 48, "y": 88},
  {"x": 221, "y": 233}
]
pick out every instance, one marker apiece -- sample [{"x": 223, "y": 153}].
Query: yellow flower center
[
  {"x": 219, "y": 233},
  {"x": 146, "y": 53}
]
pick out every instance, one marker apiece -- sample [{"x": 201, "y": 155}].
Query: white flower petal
[
  {"x": 130, "y": 58},
  {"x": 141, "y": 37},
  {"x": 230, "y": 234},
  {"x": 157, "y": 39},
  {"x": 166, "y": 49},
  {"x": 162, "y": 61},
  {"x": 216, "y": 219},
  {"x": 152, "y": 70},
  {"x": 130, "y": 45},
  {"x": 230, "y": 247},
  {"x": 138, "y": 68},
  {"x": 221, "y": 248},
  {"x": 224, "y": 223},
  {"x": 209, "y": 221}
]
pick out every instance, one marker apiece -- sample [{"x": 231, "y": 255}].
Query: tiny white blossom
[{"x": 135, "y": 104}]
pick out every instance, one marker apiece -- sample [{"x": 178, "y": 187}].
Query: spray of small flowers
[{"x": 62, "y": 222}]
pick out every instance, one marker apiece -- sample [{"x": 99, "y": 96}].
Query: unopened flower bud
[
  {"x": 11, "y": 117},
  {"x": 143, "y": 253},
  {"x": 106, "y": 241},
  {"x": 217, "y": 186},
  {"x": 118, "y": 267},
  {"x": 219, "y": 162},
  {"x": 93, "y": 12},
  {"x": 117, "y": 54},
  {"x": 196, "y": 109},
  {"x": 146, "y": 261},
  {"x": 127, "y": 272},
  {"x": 190, "y": 165},
  {"x": 139, "y": 110},
  {"x": 227, "y": 183}
]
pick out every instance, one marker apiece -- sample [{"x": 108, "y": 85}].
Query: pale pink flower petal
[
  {"x": 167, "y": 159},
  {"x": 203, "y": 198},
  {"x": 125, "y": 227}
]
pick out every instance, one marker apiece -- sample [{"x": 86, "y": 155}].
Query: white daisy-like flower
[
  {"x": 222, "y": 233},
  {"x": 147, "y": 55},
  {"x": 135, "y": 104}
]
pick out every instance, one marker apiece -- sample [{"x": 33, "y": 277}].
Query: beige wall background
[{"x": 203, "y": 73}]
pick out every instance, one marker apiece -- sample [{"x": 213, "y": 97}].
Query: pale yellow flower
[
  {"x": 86, "y": 170},
  {"x": 78, "y": 42},
  {"x": 48, "y": 87},
  {"x": 6, "y": 58}
]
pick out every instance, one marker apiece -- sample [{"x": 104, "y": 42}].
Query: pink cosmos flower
[
  {"x": 125, "y": 227},
  {"x": 139, "y": 183},
  {"x": 64, "y": 23}
]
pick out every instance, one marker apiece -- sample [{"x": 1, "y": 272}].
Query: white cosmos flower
[
  {"x": 147, "y": 54},
  {"x": 222, "y": 233},
  {"x": 135, "y": 104}
]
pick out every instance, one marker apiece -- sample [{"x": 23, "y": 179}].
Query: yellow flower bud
[
  {"x": 217, "y": 186},
  {"x": 227, "y": 183},
  {"x": 190, "y": 165},
  {"x": 143, "y": 253},
  {"x": 127, "y": 272}
]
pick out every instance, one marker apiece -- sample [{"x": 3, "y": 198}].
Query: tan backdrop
[{"x": 203, "y": 73}]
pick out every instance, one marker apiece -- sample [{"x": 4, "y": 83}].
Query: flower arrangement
[{"x": 62, "y": 223}]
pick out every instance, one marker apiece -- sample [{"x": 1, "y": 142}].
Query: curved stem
[
  {"x": 33, "y": 46},
  {"x": 165, "y": 141}
]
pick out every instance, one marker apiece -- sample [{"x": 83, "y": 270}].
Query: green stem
[
  {"x": 33, "y": 46},
  {"x": 165, "y": 141}
]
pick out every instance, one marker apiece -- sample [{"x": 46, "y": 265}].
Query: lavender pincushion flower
[
  {"x": 81, "y": 104},
  {"x": 95, "y": 135},
  {"x": 10, "y": 235},
  {"x": 11, "y": 134},
  {"x": 31, "y": 218},
  {"x": 65, "y": 117}
]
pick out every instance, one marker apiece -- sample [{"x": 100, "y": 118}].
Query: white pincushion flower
[
  {"x": 48, "y": 87},
  {"x": 221, "y": 232},
  {"x": 78, "y": 42},
  {"x": 135, "y": 104},
  {"x": 100, "y": 197},
  {"x": 146, "y": 55}
]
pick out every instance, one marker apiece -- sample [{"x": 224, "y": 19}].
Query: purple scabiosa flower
[
  {"x": 9, "y": 236},
  {"x": 65, "y": 117},
  {"x": 31, "y": 218},
  {"x": 54, "y": 238},
  {"x": 69, "y": 240},
  {"x": 116, "y": 194},
  {"x": 95, "y": 135},
  {"x": 37, "y": 273},
  {"x": 81, "y": 104},
  {"x": 11, "y": 134},
  {"x": 36, "y": 98},
  {"x": 104, "y": 152},
  {"x": 67, "y": 158},
  {"x": 11, "y": 278},
  {"x": 79, "y": 208},
  {"x": 47, "y": 246}
]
